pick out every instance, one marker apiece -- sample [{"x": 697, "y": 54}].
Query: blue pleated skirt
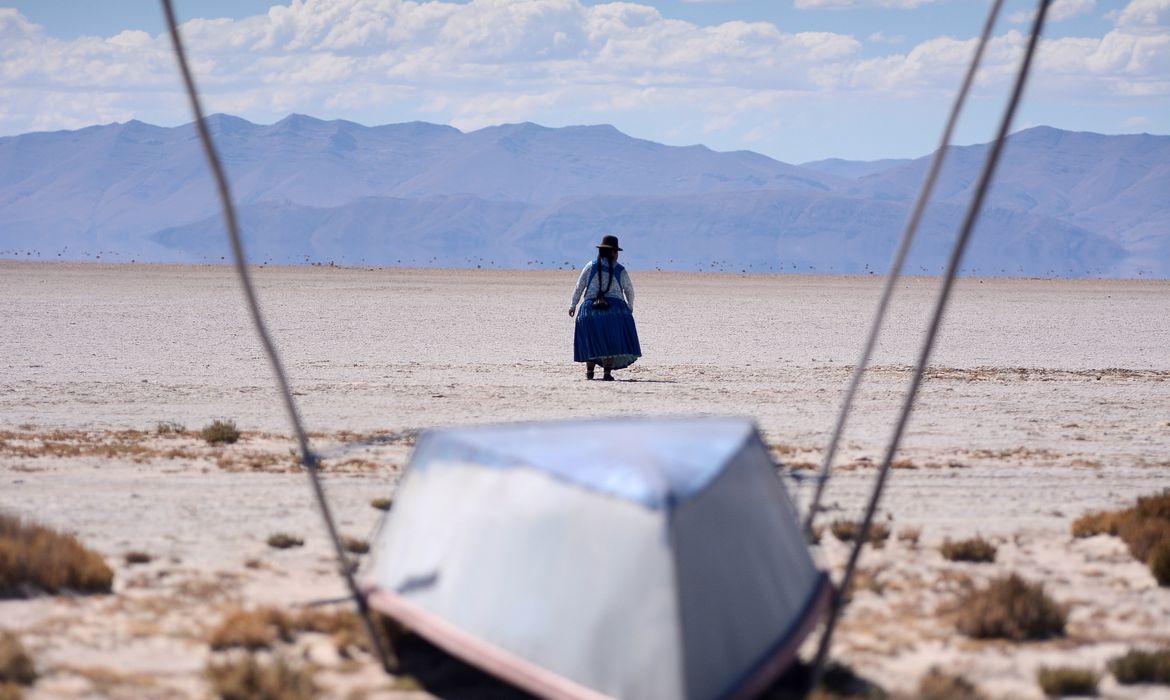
[{"x": 606, "y": 336}]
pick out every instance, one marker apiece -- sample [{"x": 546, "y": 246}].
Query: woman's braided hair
[{"x": 604, "y": 254}]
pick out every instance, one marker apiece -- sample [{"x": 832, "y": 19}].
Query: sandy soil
[{"x": 1047, "y": 399}]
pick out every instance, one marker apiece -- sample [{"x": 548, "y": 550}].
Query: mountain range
[{"x": 1063, "y": 204}]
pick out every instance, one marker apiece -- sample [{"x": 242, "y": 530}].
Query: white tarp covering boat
[{"x": 650, "y": 559}]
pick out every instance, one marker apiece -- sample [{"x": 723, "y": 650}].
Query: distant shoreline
[{"x": 228, "y": 266}]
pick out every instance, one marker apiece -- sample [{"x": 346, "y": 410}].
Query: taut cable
[
  {"x": 308, "y": 457},
  {"x": 956, "y": 258}
]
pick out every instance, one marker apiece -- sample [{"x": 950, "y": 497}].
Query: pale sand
[{"x": 1048, "y": 399}]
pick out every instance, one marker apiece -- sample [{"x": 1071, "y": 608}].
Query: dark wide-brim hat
[{"x": 609, "y": 242}]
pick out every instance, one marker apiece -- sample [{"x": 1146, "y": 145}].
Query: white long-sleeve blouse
[{"x": 620, "y": 286}]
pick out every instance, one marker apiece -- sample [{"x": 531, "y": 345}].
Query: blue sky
[{"x": 797, "y": 80}]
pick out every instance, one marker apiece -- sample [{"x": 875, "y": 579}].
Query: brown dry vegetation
[
  {"x": 1011, "y": 608},
  {"x": 1138, "y": 666},
  {"x": 283, "y": 540},
  {"x": 382, "y": 503},
  {"x": 1062, "y": 681},
  {"x": 937, "y": 685},
  {"x": 220, "y": 432},
  {"x": 1144, "y": 527},
  {"x": 36, "y": 559},
  {"x": 263, "y": 628},
  {"x": 848, "y": 530},
  {"x": 244, "y": 677},
  {"x": 974, "y": 549},
  {"x": 354, "y": 545},
  {"x": 16, "y": 665}
]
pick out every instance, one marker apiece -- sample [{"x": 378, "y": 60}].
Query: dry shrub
[
  {"x": 937, "y": 685},
  {"x": 910, "y": 535},
  {"x": 251, "y": 630},
  {"x": 1138, "y": 666},
  {"x": 170, "y": 427},
  {"x": 1097, "y": 523},
  {"x": 11, "y": 691},
  {"x": 848, "y": 530},
  {"x": 1144, "y": 527},
  {"x": 34, "y": 558},
  {"x": 975, "y": 549},
  {"x": 382, "y": 503},
  {"x": 1159, "y": 563},
  {"x": 1011, "y": 608},
  {"x": 283, "y": 540},
  {"x": 245, "y": 678},
  {"x": 1060, "y": 681},
  {"x": 354, "y": 545},
  {"x": 16, "y": 666},
  {"x": 220, "y": 432},
  {"x": 136, "y": 557}
]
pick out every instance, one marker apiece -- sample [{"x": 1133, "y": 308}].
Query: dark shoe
[
  {"x": 607, "y": 377},
  {"x": 589, "y": 374}
]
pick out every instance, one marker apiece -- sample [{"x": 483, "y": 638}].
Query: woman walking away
[{"x": 605, "y": 333}]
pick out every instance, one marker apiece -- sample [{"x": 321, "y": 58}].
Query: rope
[
  {"x": 896, "y": 267},
  {"x": 948, "y": 280},
  {"x": 309, "y": 460}
]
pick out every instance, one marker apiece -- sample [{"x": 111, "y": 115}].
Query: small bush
[
  {"x": 251, "y": 630},
  {"x": 1159, "y": 563},
  {"x": 39, "y": 559},
  {"x": 220, "y": 432},
  {"x": 848, "y": 530},
  {"x": 936, "y": 685},
  {"x": 1144, "y": 527},
  {"x": 1099, "y": 523},
  {"x": 245, "y": 678},
  {"x": 1061, "y": 681},
  {"x": 382, "y": 503},
  {"x": 354, "y": 545},
  {"x": 1011, "y": 608},
  {"x": 168, "y": 427},
  {"x": 282, "y": 540},
  {"x": 975, "y": 549},
  {"x": 910, "y": 535},
  {"x": 1142, "y": 667},
  {"x": 137, "y": 557},
  {"x": 16, "y": 666}
]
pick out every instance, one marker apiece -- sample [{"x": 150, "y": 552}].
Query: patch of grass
[
  {"x": 16, "y": 665},
  {"x": 1011, "y": 608},
  {"x": 937, "y": 685},
  {"x": 1097, "y": 523},
  {"x": 251, "y": 630},
  {"x": 910, "y": 535},
  {"x": 137, "y": 557},
  {"x": 1159, "y": 563},
  {"x": 170, "y": 427},
  {"x": 243, "y": 677},
  {"x": 354, "y": 545},
  {"x": 382, "y": 503},
  {"x": 1144, "y": 527},
  {"x": 1061, "y": 681},
  {"x": 283, "y": 540},
  {"x": 36, "y": 559},
  {"x": 848, "y": 531},
  {"x": 220, "y": 432},
  {"x": 974, "y": 549},
  {"x": 1138, "y": 666}
]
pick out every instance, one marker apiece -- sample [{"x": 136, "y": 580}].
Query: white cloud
[
  {"x": 1145, "y": 14},
  {"x": 488, "y": 61},
  {"x": 1058, "y": 11},
  {"x": 849, "y": 4},
  {"x": 1137, "y": 122},
  {"x": 883, "y": 38}
]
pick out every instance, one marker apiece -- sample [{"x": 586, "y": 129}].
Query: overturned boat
[{"x": 628, "y": 558}]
